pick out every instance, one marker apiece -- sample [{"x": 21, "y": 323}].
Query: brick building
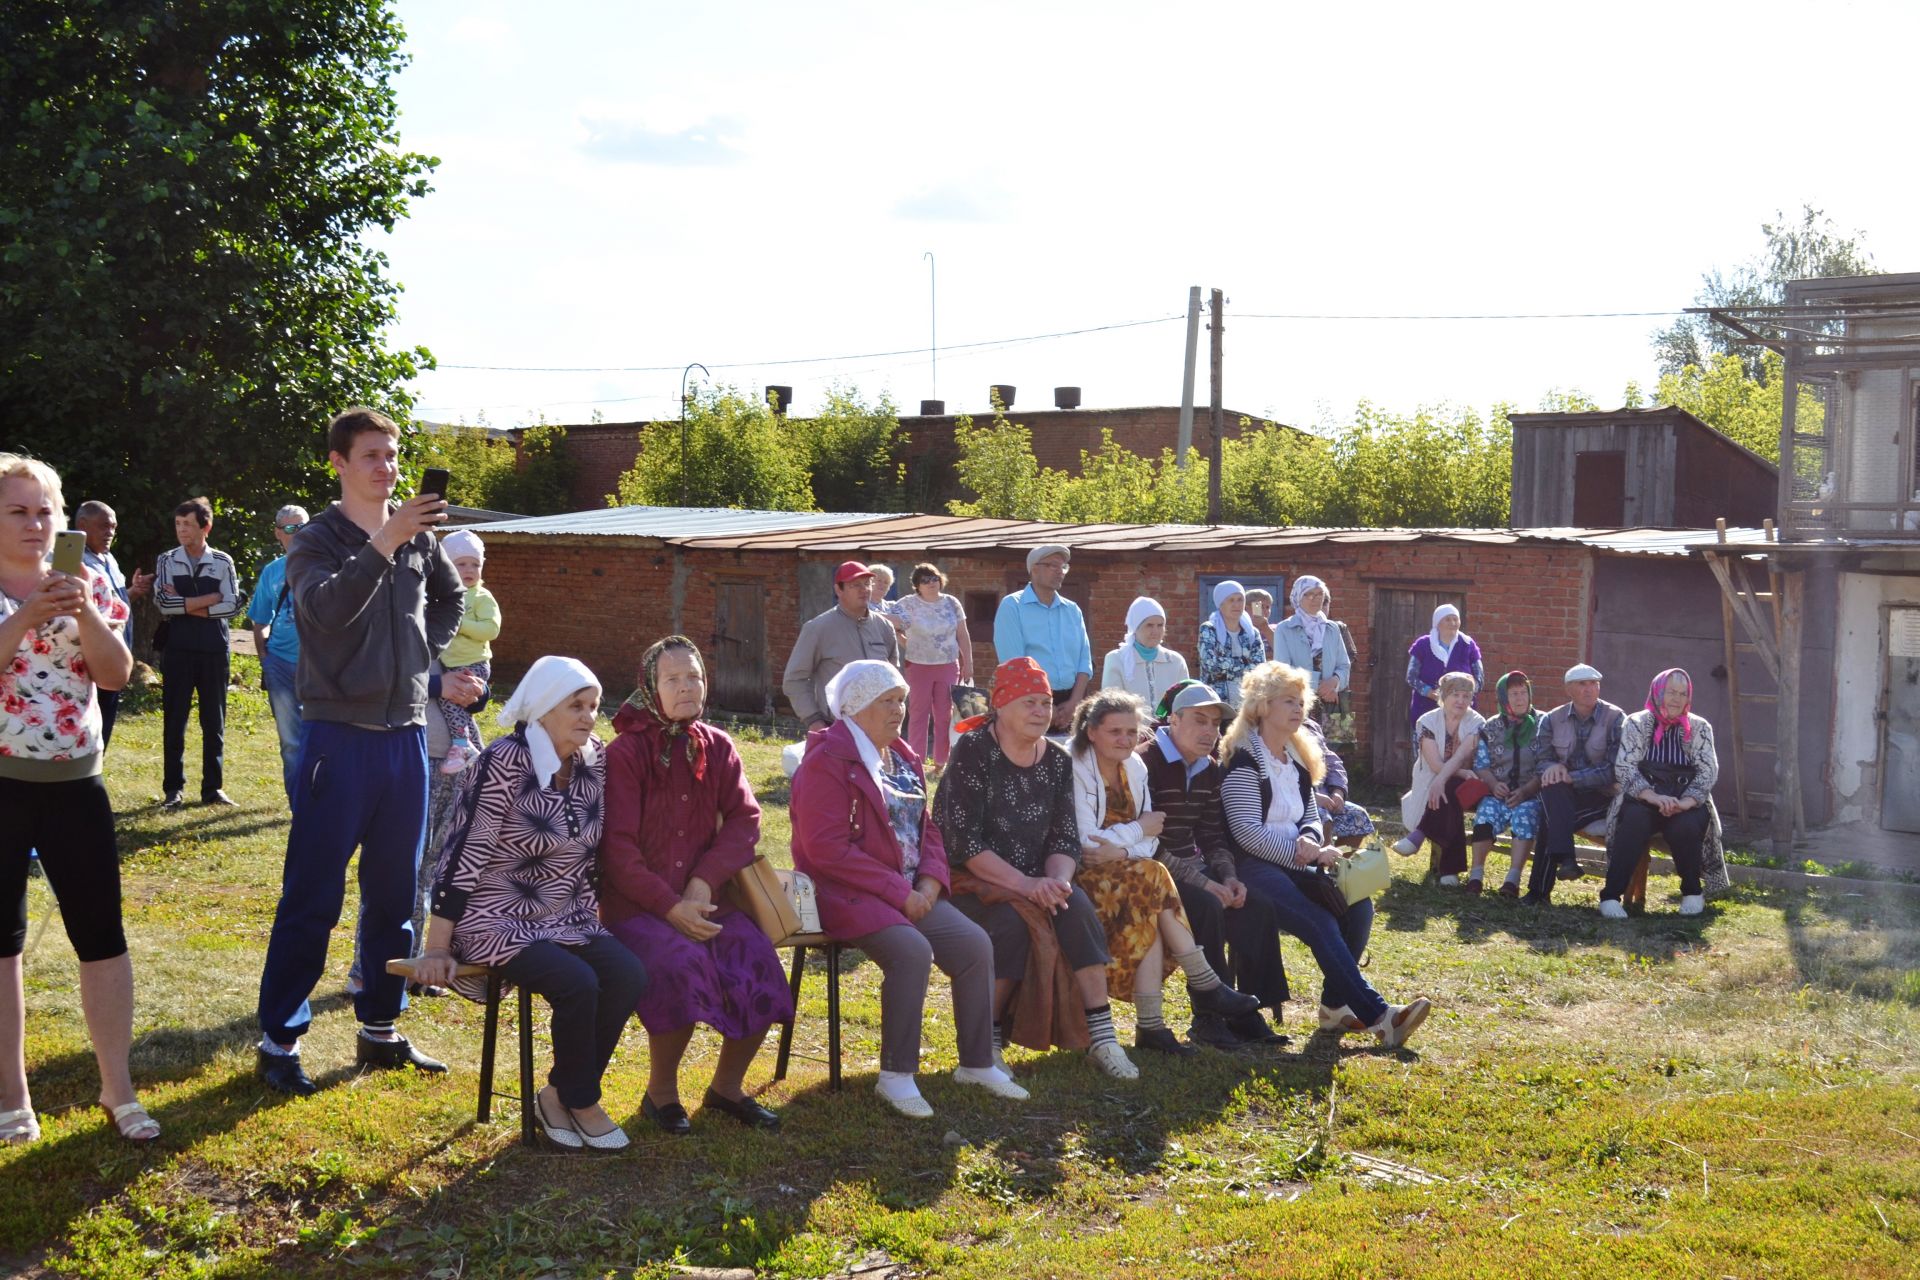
[{"x": 602, "y": 585}]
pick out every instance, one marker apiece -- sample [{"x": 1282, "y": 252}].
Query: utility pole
[
  {"x": 1186, "y": 386},
  {"x": 1218, "y": 326}
]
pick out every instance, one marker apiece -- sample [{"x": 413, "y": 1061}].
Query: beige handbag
[{"x": 757, "y": 889}]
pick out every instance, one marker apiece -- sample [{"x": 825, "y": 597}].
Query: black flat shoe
[
  {"x": 746, "y": 1111},
  {"x": 283, "y": 1073},
  {"x": 1569, "y": 871},
  {"x": 389, "y": 1055},
  {"x": 1223, "y": 1000},
  {"x": 671, "y": 1118},
  {"x": 1211, "y": 1029},
  {"x": 1161, "y": 1040},
  {"x": 1252, "y": 1028}
]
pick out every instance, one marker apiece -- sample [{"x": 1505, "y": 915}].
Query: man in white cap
[
  {"x": 1038, "y": 622},
  {"x": 1578, "y": 742},
  {"x": 848, "y": 632}
]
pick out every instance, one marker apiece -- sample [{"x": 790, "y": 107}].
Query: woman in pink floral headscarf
[{"x": 1666, "y": 770}]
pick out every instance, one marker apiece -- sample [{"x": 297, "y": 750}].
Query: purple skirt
[{"x": 732, "y": 982}]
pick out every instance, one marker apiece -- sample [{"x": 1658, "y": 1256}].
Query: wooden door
[
  {"x": 737, "y": 680},
  {"x": 1398, "y": 616}
]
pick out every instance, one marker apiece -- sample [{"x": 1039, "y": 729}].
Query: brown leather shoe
[
  {"x": 1509, "y": 890},
  {"x": 1471, "y": 885}
]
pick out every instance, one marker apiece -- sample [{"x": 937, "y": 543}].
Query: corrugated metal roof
[{"x": 673, "y": 523}]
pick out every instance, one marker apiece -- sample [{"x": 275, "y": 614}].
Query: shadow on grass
[
  {"x": 151, "y": 825},
  {"x": 1555, "y": 928},
  {"x": 1863, "y": 946}
]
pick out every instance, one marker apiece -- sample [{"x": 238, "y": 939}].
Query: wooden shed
[{"x": 1657, "y": 468}]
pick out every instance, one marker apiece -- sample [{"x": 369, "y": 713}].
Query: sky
[{"x": 627, "y": 187}]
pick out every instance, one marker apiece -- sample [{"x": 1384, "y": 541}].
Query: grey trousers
[{"x": 906, "y": 955}]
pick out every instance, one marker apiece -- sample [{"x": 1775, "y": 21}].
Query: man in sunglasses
[{"x": 277, "y": 642}]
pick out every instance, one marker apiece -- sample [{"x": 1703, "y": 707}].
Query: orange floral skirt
[{"x": 1129, "y": 895}]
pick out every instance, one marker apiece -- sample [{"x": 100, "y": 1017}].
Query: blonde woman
[{"x": 1274, "y": 826}]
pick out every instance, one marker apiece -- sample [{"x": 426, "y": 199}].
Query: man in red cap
[{"x": 845, "y": 633}]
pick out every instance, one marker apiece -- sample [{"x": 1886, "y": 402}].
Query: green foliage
[
  {"x": 739, "y": 454},
  {"x": 488, "y": 472},
  {"x": 848, "y": 448},
  {"x": 1747, "y": 409},
  {"x": 190, "y": 288},
  {"x": 1436, "y": 468},
  {"x": 1808, "y": 249}
]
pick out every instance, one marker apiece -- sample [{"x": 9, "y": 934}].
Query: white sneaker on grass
[
  {"x": 1407, "y": 846},
  {"x": 1449, "y": 881},
  {"x": 1341, "y": 1020},
  {"x": 1400, "y": 1021},
  {"x": 1692, "y": 904},
  {"x": 904, "y": 1098},
  {"x": 1612, "y": 910},
  {"x": 993, "y": 1080},
  {"x": 1113, "y": 1060}
]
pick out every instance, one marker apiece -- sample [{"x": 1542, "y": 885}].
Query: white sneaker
[
  {"x": 1407, "y": 846},
  {"x": 911, "y": 1104},
  {"x": 1449, "y": 881},
  {"x": 1400, "y": 1021},
  {"x": 1613, "y": 910},
  {"x": 993, "y": 1080},
  {"x": 1341, "y": 1020},
  {"x": 1692, "y": 904},
  {"x": 1113, "y": 1060}
]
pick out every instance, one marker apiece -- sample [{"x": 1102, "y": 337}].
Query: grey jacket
[
  {"x": 369, "y": 627},
  {"x": 827, "y": 643}
]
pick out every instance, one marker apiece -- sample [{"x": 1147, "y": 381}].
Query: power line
[
  {"x": 1544, "y": 315},
  {"x": 769, "y": 364}
]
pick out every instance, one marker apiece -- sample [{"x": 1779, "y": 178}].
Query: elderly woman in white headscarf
[
  {"x": 515, "y": 891},
  {"x": 1230, "y": 646},
  {"x": 1142, "y": 665},
  {"x": 1311, "y": 641},
  {"x": 861, "y": 830}
]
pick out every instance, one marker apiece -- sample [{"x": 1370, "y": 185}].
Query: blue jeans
[
  {"x": 283, "y": 696},
  {"x": 362, "y": 789},
  {"x": 1336, "y": 942}
]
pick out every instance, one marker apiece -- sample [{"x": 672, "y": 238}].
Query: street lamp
[{"x": 683, "y": 424}]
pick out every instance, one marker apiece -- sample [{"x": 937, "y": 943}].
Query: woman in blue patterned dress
[
  {"x": 1508, "y": 761},
  {"x": 515, "y": 890}
]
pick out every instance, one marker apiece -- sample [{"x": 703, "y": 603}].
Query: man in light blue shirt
[
  {"x": 276, "y": 640},
  {"x": 1038, "y": 622}
]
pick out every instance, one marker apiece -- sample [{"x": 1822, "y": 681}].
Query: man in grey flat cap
[
  {"x": 1038, "y": 622},
  {"x": 1579, "y": 741}
]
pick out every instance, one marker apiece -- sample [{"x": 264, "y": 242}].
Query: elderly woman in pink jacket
[{"x": 861, "y": 830}]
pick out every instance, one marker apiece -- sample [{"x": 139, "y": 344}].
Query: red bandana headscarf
[
  {"x": 1656, "y": 692},
  {"x": 1016, "y": 678}
]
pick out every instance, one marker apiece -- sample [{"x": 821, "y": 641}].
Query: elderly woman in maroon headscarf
[
  {"x": 681, "y": 821},
  {"x": 1666, "y": 770}
]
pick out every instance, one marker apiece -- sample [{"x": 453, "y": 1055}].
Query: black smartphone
[
  {"x": 435, "y": 480},
  {"x": 67, "y": 546}
]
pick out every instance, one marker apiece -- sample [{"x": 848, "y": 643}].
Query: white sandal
[
  {"x": 133, "y": 1122},
  {"x": 19, "y": 1126}
]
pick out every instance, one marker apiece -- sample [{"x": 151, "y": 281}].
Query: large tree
[{"x": 190, "y": 288}]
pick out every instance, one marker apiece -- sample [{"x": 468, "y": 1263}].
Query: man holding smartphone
[
  {"x": 375, "y": 599},
  {"x": 197, "y": 590}
]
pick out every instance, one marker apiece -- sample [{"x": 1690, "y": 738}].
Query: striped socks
[
  {"x": 1100, "y": 1024},
  {"x": 1200, "y": 974},
  {"x": 1147, "y": 1010}
]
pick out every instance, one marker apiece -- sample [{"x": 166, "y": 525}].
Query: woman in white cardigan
[
  {"x": 1133, "y": 893},
  {"x": 1142, "y": 665}
]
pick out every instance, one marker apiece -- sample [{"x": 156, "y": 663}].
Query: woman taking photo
[
  {"x": 1431, "y": 809},
  {"x": 59, "y": 645},
  {"x": 1142, "y": 665},
  {"x": 861, "y": 829},
  {"x": 515, "y": 890},
  {"x": 1132, "y": 892},
  {"x": 1444, "y": 648},
  {"x": 1229, "y": 645},
  {"x": 938, "y": 654},
  {"x": 681, "y": 821},
  {"x": 1274, "y": 826}
]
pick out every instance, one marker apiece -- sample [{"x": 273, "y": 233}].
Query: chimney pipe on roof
[
  {"x": 1066, "y": 397},
  {"x": 780, "y": 399},
  {"x": 1003, "y": 393},
  {"x": 932, "y": 408}
]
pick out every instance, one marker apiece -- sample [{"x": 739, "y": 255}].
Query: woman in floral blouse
[
  {"x": 515, "y": 890},
  {"x": 60, "y": 643},
  {"x": 938, "y": 653}
]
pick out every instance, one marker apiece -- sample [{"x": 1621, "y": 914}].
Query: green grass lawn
[{"x": 1733, "y": 1095}]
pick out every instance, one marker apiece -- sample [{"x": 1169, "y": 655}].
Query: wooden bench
[
  {"x": 496, "y": 984},
  {"x": 801, "y": 943},
  {"x": 1635, "y": 898}
]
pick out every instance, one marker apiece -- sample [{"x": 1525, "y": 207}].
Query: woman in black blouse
[{"x": 1005, "y": 809}]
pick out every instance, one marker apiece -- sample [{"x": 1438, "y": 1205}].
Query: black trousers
[
  {"x": 1638, "y": 823},
  {"x": 1253, "y": 933},
  {"x": 109, "y": 711},
  {"x": 71, "y": 824},
  {"x": 183, "y": 675},
  {"x": 593, "y": 987}
]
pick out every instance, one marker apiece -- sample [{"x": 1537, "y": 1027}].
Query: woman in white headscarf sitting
[
  {"x": 1142, "y": 665},
  {"x": 861, "y": 830},
  {"x": 515, "y": 891},
  {"x": 1230, "y": 646},
  {"x": 1311, "y": 641}
]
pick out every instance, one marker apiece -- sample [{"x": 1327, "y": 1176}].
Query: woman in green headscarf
[{"x": 1508, "y": 762}]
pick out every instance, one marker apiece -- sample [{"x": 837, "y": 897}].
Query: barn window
[
  {"x": 1600, "y": 489},
  {"x": 981, "y": 606}
]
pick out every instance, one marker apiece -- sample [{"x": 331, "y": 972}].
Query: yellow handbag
[{"x": 1363, "y": 873}]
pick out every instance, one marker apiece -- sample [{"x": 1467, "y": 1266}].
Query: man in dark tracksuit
[
  {"x": 375, "y": 600},
  {"x": 197, "y": 590}
]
